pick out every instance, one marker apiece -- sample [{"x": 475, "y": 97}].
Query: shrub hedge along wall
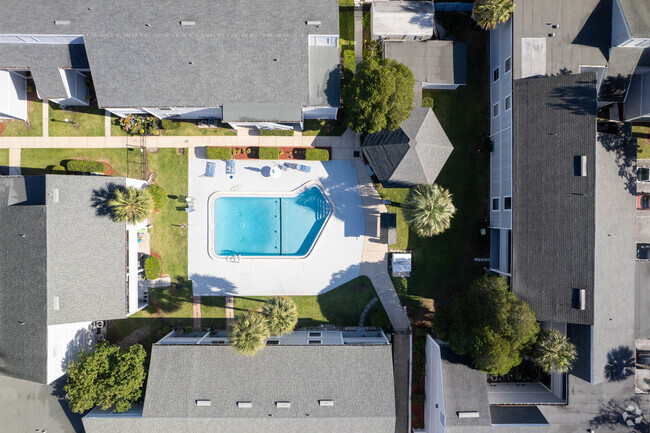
[
  {"x": 152, "y": 268},
  {"x": 317, "y": 155},
  {"x": 219, "y": 153},
  {"x": 79, "y": 165},
  {"x": 269, "y": 153}
]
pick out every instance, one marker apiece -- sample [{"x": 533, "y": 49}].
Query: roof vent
[
  {"x": 313, "y": 23},
  {"x": 468, "y": 414},
  {"x": 244, "y": 404},
  {"x": 283, "y": 404},
  {"x": 555, "y": 26},
  {"x": 204, "y": 402},
  {"x": 62, "y": 22},
  {"x": 551, "y": 35},
  {"x": 580, "y": 165},
  {"x": 55, "y": 195},
  {"x": 55, "y": 303},
  {"x": 578, "y": 299},
  {"x": 188, "y": 23},
  {"x": 326, "y": 403}
]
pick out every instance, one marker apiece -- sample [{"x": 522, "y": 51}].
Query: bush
[
  {"x": 365, "y": 21},
  {"x": 421, "y": 332},
  {"x": 277, "y": 132},
  {"x": 55, "y": 169},
  {"x": 349, "y": 61},
  {"x": 170, "y": 124},
  {"x": 159, "y": 195},
  {"x": 269, "y": 152},
  {"x": 418, "y": 399},
  {"x": 317, "y": 155},
  {"x": 427, "y": 102},
  {"x": 219, "y": 153},
  {"x": 79, "y": 165},
  {"x": 151, "y": 268}
]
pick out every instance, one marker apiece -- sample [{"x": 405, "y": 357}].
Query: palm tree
[
  {"x": 428, "y": 210},
  {"x": 131, "y": 205},
  {"x": 248, "y": 333},
  {"x": 489, "y": 13},
  {"x": 281, "y": 315},
  {"x": 554, "y": 352}
]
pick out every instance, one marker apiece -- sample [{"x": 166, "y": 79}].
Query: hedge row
[
  {"x": 79, "y": 165},
  {"x": 269, "y": 152},
  {"x": 152, "y": 268},
  {"x": 159, "y": 195},
  {"x": 277, "y": 132},
  {"x": 219, "y": 153},
  {"x": 349, "y": 61},
  {"x": 317, "y": 155}
]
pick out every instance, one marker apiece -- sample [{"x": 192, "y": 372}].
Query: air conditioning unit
[
  {"x": 100, "y": 337},
  {"x": 99, "y": 324}
]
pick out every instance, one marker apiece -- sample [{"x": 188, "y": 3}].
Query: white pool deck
[{"x": 334, "y": 260}]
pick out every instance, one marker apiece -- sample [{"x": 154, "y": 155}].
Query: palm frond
[
  {"x": 281, "y": 315},
  {"x": 490, "y": 13},
  {"x": 131, "y": 205},
  {"x": 248, "y": 333},
  {"x": 428, "y": 210}
]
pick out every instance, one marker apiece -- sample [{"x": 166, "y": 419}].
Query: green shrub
[
  {"x": 418, "y": 399},
  {"x": 170, "y": 124},
  {"x": 277, "y": 132},
  {"x": 79, "y": 165},
  {"x": 427, "y": 102},
  {"x": 269, "y": 152},
  {"x": 159, "y": 195},
  {"x": 219, "y": 153},
  {"x": 166, "y": 330},
  {"x": 317, "y": 155},
  {"x": 365, "y": 21},
  {"x": 421, "y": 332},
  {"x": 55, "y": 169},
  {"x": 188, "y": 329},
  {"x": 151, "y": 268},
  {"x": 349, "y": 61}
]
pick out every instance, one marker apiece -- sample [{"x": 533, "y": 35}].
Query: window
[
  {"x": 507, "y": 203},
  {"x": 495, "y": 203},
  {"x": 508, "y": 102},
  {"x": 495, "y": 74},
  {"x": 508, "y": 64},
  {"x": 272, "y": 342},
  {"x": 323, "y": 40},
  {"x": 314, "y": 334},
  {"x": 495, "y": 110},
  {"x": 314, "y": 342}
]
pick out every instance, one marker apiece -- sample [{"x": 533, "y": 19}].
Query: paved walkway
[
  {"x": 401, "y": 366},
  {"x": 364, "y": 313},
  {"x": 374, "y": 259},
  {"x": 46, "y": 120},
  {"x": 196, "y": 312},
  {"x": 230, "y": 310},
  {"x": 107, "y": 123},
  {"x": 14, "y": 162},
  {"x": 358, "y": 33}
]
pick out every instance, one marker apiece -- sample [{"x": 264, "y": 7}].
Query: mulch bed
[{"x": 297, "y": 153}]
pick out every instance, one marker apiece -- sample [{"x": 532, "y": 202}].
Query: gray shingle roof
[
  {"x": 582, "y": 38},
  {"x": 431, "y": 61},
  {"x": 140, "y": 54},
  {"x": 622, "y": 63},
  {"x": 412, "y": 154},
  {"x": 637, "y": 15},
  {"x": 67, "y": 251},
  {"x": 359, "y": 379},
  {"x": 553, "y": 210}
]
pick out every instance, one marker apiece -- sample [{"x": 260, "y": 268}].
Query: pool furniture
[
  {"x": 275, "y": 172},
  {"x": 303, "y": 168},
  {"x": 230, "y": 166},
  {"x": 288, "y": 165},
  {"x": 209, "y": 168}
]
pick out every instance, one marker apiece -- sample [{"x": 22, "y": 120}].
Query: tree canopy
[
  {"x": 488, "y": 323},
  {"x": 109, "y": 377},
  {"x": 131, "y": 205},
  {"x": 428, "y": 209},
  {"x": 554, "y": 352},
  {"x": 249, "y": 332},
  {"x": 281, "y": 315},
  {"x": 380, "y": 96},
  {"x": 490, "y": 13}
]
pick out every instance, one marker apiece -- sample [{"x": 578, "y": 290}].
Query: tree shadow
[
  {"x": 578, "y": 99},
  {"x": 100, "y": 198},
  {"x": 620, "y": 364},
  {"x": 624, "y": 147},
  {"x": 83, "y": 340},
  {"x": 209, "y": 285},
  {"x": 611, "y": 415}
]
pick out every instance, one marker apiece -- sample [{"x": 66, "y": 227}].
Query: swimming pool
[{"x": 263, "y": 225}]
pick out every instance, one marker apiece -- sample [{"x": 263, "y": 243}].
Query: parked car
[
  {"x": 643, "y": 201},
  {"x": 643, "y": 174},
  {"x": 643, "y": 251}
]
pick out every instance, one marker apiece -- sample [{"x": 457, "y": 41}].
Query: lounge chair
[
  {"x": 230, "y": 166},
  {"x": 288, "y": 165},
  {"x": 209, "y": 168},
  {"x": 303, "y": 168}
]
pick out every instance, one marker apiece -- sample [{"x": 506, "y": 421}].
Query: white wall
[
  {"x": 76, "y": 87},
  {"x": 13, "y": 96},
  {"x": 638, "y": 97},
  {"x": 432, "y": 86},
  {"x": 433, "y": 390},
  {"x": 620, "y": 31},
  {"x": 174, "y": 112},
  {"x": 326, "y": 113},
  {"x": 63, "y": 345}
]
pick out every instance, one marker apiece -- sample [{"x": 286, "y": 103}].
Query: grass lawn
[
  {"x": 90, "y": 121},
  {"x": 443, "y": 265},
  {"x": 397, "y": 196},
  {"x": 213, "y": 311},
  {"x": 324, "y": 128},
  {"x": 19, "y": 128},
  {"x": 35, "y": 161},
  {"x": 188, "y": 127},
  {"x": 346, "y": 27},
  {"x": 4, "y": 157},
  {"x": 642, "y": 133},
  {"x": 346, "y": 3},
  {"x": 116, "y": 129},
  {"x": 341, "y": 306}
]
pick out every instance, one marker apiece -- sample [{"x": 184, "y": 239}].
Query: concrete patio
[{"x": 334, "y": 260}]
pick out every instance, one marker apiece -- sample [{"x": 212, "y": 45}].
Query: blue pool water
[{"x": 269, "y": 226}]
